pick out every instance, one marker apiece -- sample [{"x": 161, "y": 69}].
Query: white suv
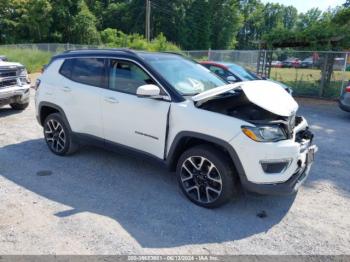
[{"x": 214, "y": 134}]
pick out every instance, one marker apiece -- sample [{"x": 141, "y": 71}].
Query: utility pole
[{"x": 148, "y": 20}]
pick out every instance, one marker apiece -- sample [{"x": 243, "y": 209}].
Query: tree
[
  {"x": 8, "y": 21},
  {"x": 253, "y": 19},
  {"x": 290, "y": 17},
  {"x": 309, "y": 18},
  {"x": 169, "y": 18},
  {"x": 115, "y": 38},
  {"x": 36, "y": 27},
  {"x": 84, "y": 29},
  {"x": 197, "y": 31},
  {"x": 192, "y": 24},
  {"x": 224, "y": 23},
  {"x": 63, "y": 13},
  {"x": 19, "y": 20}
]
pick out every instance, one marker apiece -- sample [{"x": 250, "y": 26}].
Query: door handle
[
  {"x": 111, "y": 100},
  {"x": 66, "y": 89}
]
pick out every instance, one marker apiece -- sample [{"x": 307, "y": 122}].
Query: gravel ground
[{"x": 98, "y": 202}]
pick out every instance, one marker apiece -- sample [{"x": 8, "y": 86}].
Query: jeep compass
[{"x": 215, "y": 135}]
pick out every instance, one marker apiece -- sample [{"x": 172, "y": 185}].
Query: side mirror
[
  {"x": 231, "y": 79},
  {"x": 150, "y": 91}
]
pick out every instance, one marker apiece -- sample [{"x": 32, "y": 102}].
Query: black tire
[
  {"x": 202, "y": 181},
  {"x": 18, "y": 106},
  {"x": 60, "y": 140}
]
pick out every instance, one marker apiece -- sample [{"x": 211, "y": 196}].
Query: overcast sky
[{"x": 304, "y": 5}]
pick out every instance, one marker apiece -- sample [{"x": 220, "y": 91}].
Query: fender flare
[
  {"x": 54, "y": 106},
  {"x": 175, "y": 150}
]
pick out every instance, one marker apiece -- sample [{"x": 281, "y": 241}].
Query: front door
[{"x": 139, "y": 123}]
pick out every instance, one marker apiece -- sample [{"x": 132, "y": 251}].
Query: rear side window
[
  {"x": 89, "y": 71},
  {"x": 66, "y": 68}
]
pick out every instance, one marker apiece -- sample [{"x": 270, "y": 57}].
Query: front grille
[
  {"x": 6, "y": 83},
  {"x": 8, "y": 73}
]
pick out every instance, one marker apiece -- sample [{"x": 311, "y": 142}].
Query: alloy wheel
[
  {"x": 55, "y": 135},
  {"x": 201, "y": 179}
]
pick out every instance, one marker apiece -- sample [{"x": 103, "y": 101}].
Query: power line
[
  {"x": 158, "y": 8},
  {"x": 167, "y": 12}
]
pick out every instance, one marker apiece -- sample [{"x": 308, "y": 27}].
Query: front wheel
[
  {"x": 205, "y": 175},
  {"x": 57, "y": 135}
]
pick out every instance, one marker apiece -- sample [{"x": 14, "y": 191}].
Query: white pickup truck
[{"x": 14, "y": 85}]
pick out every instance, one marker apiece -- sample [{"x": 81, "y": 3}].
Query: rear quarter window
[
  {"x": 89, "y": 71},
  {"x": 66, "y": 68}
]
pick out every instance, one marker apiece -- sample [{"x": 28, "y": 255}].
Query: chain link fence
[
  {"x": 314, "y": 74},
  {"x": 308, "y": 73},
  {"x": 50, "y": 47}
]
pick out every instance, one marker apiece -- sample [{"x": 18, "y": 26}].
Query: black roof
[
  {"x": 125, "y": 53},
  {"x": 109, "y": 52}
]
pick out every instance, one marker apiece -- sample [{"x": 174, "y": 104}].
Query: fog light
[{"x": 275, "y": 166}]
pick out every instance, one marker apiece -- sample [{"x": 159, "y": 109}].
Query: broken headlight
[
  {"x": 22, "y": 71},
  {"x": 23, "y": 75},
  {"x": 272, "y": 133}
]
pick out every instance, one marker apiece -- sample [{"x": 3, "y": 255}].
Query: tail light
[
  {"x": 347, "y": 89},
  {"x": 37, "y": 84}
]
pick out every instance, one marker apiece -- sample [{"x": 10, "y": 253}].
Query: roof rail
[
  {"x": 128, "y": 50},
  {"x": 173, "y": 52}
]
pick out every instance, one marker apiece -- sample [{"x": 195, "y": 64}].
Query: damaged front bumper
[
  {"x": 14, "y": 94},
  {"x": 288, "y": 187},
  {"x": 276, "y": 167}
]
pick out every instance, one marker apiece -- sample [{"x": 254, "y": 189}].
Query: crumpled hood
[{"x": 265, "y": 94}]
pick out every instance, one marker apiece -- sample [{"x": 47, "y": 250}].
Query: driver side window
[{"x": 126, "y": 77}]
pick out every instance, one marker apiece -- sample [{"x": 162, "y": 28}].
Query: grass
[
  {"x": 307, "y": 81},
  {"x": 32, "y": 59}
]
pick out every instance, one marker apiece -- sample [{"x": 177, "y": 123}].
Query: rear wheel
[
  {"x": 206, "y": 176},
  {"x": 57, "y": 135},
  {"x": 18, "y": 106}
]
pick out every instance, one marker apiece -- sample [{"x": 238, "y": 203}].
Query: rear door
[
  {"x": 80, "y": 93},
  {"x": 139, "y": 123}
]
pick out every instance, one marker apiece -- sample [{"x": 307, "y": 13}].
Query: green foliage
[
  {"x": 316, "y": 30},
  {"x": 225, "y": 23},
  {"x": 189, "y": 24},
  {"x": 32, "y": 59},
  {"x": 84, "y": 30},
  {"x": 19, "y": 20},
  {"x": 198, "y": 30},
  {"x": 114, "y": 38},
  {"x": 309, "y": 18},
  {"x": 160, "y": 43}
]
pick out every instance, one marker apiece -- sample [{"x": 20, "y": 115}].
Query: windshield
[
  {"x": 243, "y": 73},
  {"x": 186, "y": 76}
]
